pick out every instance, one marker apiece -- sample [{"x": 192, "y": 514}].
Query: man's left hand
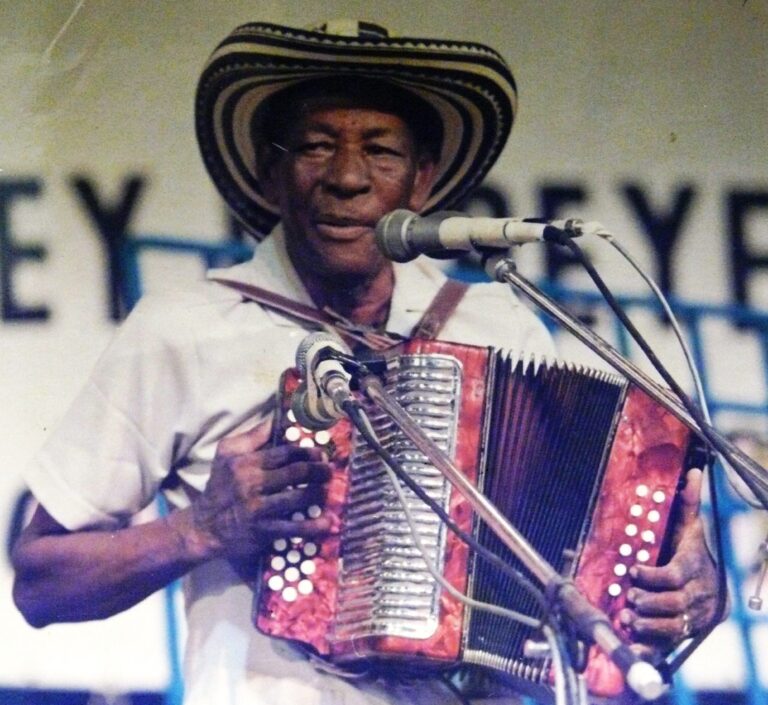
[{"x": 668, "y": 604}]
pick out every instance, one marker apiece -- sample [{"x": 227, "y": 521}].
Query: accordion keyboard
[{"x": 385, "y": 588}]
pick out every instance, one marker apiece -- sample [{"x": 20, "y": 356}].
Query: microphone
[
  {"x": 402, "y": 235},
  {"x": 317, "y": 403}
]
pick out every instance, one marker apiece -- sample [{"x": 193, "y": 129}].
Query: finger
[
  {"x": 653, "y": 604},
  {"x": 672, "y": 576},
  {"x": 277, "y": 456},
  {"x": 284, "y": 528},
  {"x": 656, "y": 630},
  {"x": 286, "y": 502},
  {"x": 302, "y": 473},
  {"x": 247, "y": 442}
]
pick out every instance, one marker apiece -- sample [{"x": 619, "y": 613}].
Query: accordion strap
[
  {"x": 431, "y": 323},
  {"x": 440, "y": 309}
]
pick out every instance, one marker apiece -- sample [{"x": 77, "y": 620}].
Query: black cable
[
  {"x": 695, "y": 412},
  {"x": 355, "y": 411}
]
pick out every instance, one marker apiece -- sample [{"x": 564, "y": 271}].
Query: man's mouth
[{"x": 343, "y": 228}]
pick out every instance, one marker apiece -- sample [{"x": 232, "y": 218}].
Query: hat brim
[{"x": 468, "y": 85}]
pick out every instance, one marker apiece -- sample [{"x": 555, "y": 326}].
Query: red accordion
[{"x": 585, "y": 465}]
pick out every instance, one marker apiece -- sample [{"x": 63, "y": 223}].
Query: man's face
[{"x": 343, "y": 170}]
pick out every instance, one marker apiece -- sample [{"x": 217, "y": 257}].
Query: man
[{"x": 329, "y": 130}]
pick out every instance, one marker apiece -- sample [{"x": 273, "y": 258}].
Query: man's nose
[{"x": 348, "y": 172}]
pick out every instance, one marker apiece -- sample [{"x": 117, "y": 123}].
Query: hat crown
[{"x": 344, "y": 27}]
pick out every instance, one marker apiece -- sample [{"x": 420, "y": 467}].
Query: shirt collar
[{"x": 416, "y": 283}]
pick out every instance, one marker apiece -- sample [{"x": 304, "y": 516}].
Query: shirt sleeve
[{"x": 113, "y": 448}]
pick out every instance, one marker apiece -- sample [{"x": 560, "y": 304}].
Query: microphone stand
[
  {"x": 502, "y": 268},
  {"x": 590, "y": 622}
]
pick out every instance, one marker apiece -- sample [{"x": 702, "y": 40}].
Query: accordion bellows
[{"x": 585, "y": 465}]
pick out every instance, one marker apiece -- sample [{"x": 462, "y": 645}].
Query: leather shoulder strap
[{"x": 440, "y": 309}]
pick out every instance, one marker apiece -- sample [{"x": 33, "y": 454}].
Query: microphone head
[
  {"x": 312, "y": 343},
  {"x": 392, "y": 235}
]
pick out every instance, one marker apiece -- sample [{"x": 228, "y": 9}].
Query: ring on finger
[{"x": 687, "y": 627}]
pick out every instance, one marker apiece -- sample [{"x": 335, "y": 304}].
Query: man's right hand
[{"x": 253, "y": 491}]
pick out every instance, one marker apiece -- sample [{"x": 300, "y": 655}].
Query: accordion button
[
  {"x": 631, "y": 530},
  {"x": 307, "y": 567},
  {"x": 636, "y": 510},
  {"x": 292, "y": 574},
  {"x": 314, "y": 511},
  {"x": 620, "y": 570},
  {"x": 614, "y": 589},
  {"x": 290, "y": 594},
  {"x": 277, "y": 563},
  {"x": 292, "y": 434},
  {"x": 280, "y": 544},
  {"x": 659, "y": 496},
  {"x": 643, "y": 556},
  {"x": 654, "y": 516},
  {"x": 322, "y": 438},
  {"x": 648, "y": 536},
  {"x": 310, "y": 549},
  {"x": 306, "y": 443},
  {"x": 625, "y": 550},
  {"x": 276, "y": 583},
  {"x": 642, "y": 491},
  {"x": 291, "y": 416},
  {"x": 293, "y": 556},
  {"x": 305, "y": 587},
  {"x": 298, "y": 516}
]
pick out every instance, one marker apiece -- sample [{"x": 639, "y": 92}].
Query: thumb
[{"x": 691, "y": 494}]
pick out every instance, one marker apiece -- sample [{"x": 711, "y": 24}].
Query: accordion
[{"x": 583, "y": 464}]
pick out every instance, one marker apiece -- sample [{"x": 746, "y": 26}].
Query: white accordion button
[
  {"x": 292, "y": 434},
  {"x": 277, "y": 563},
  {"x": 293, "y": 556},
  {"x": 322, "y": 438},
  {"x": 625, "y": 550},
  {"x": 620, "y": 570},
  {"x": 292, "y": 574},
  {"x": 648, "y": 536},
  {"x": 636, "y": 510},
  {"x": 290, "y": 594},
  {"x": 314, "y": 511},
  {"x": 659, "y": 496},
  {"x": 280, "y": 544},
  {"x": 305, "y": 587},
  {"x": 310, "y": 549},
  {"x": 643, "y": 556},
  {"x": 631, "y": 530},
  {"x": 307, "y": 567},
  {"x": 276, "y": 583},
  {"x": 654, "y": 516},
  {"x": 614, "y": 589},
  {"x": 642, "y": 490}
]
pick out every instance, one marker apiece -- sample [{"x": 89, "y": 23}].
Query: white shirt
[{"x": 187, "y": 369}]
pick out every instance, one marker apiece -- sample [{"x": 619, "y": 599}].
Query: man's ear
[{"x": 422, "y": 183}]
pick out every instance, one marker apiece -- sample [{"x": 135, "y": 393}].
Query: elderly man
[{"x": 328, "y": 130}]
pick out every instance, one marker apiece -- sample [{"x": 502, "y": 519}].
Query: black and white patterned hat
[{"x": 468, "y": 85}]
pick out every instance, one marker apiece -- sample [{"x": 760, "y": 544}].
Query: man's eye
[
  {"x": 315, "y": 149},
  {"x": 382, "y": 150}
]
